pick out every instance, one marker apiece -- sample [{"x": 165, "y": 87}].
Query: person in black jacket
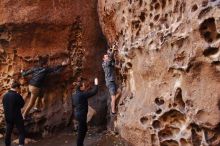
[
  {"x": 12, "y": 104},
  {"x": 36, "y": 83},
  {"x": 80, "y": 102}
]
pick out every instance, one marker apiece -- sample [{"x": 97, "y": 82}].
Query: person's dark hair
[
  {"x": 42, "y": 60},
  {"x": 15, "y": 85},
  {"x": 80, "y": 82}
]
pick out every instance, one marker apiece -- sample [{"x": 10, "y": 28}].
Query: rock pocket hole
[
  {"x": 142, "y": 16},
  {"x": 168, "y": 133},
  {"x": 140, "y": 2},
  {"x": 136, "y": 24},
  {"x": 189, "y": 103},
  {"x": 156, "y": 18},
  {"x": 178, "y": 100},
  {"x": 128, "y": 65},
  {"x": 151, "y": 8},
  {"x": 143, "y": 120},
  {"x": 210, "y": 51},
  {"x": 156, "y": 124},
  {"x": 159, "y": 111},
  {"x": 159, "y": 101},
  {"x": 176, "y": 7},
  {"x": 208, "y": 30},
  {"x": 157, "y": 6},
  {"x": 194, "y": 8},
  {"x": 151, "y": 25},
  {"x": 169, "y": 143},
  {"x": 196, "y": 138},
  {"x": 173, "y": 117},
  {"x": 205, "y": 3}
]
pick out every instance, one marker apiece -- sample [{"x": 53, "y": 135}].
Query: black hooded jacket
[
  {"x": 12, "y": 104},
  {"x": 39, "y": 74},
  {"x": 80, "y": 100}
]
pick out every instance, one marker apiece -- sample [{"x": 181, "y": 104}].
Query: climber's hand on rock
[
  {"x": 64, "y": 63},
  {"x": 109, "y": 51},
  {"x": 96, "y": 81},
  {"x": 114, "y": 49},
  {"x": 21, "y": 72}
]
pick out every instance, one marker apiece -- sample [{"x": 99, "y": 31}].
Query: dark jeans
[
  {"x": 9, "y": 128},
  {"x": 82, "y": 128}
]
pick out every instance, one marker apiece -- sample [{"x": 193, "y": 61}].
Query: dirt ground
[{"x": 93, "y": 138}]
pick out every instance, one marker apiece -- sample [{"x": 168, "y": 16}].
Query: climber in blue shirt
[{"x": 108, "y": 66}]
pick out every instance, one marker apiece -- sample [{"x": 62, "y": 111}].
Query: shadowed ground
[{"x": 69, "y": 139}]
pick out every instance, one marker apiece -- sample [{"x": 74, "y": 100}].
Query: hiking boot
[
  {"x": 113, "y": 114},
  {"x": 27, "y": 118}
]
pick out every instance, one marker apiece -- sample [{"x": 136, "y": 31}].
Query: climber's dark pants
[
  {"x": 9, "y": 128},
  {"x": 82, "y": 128}
]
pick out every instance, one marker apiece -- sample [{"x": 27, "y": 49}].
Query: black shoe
[
  {"x": 28, "y": 118},
  {"x": 113, "y": 114}
]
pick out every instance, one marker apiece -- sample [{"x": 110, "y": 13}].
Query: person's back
[
  {"x": 108, "y": 67},
  {"x": 12, "y": 103},
  {"x": 80, "y": 102},
  {"x": 39, "y": 75}
]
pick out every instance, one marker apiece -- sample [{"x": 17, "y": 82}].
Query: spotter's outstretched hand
[{"x": 96, "y": 81}]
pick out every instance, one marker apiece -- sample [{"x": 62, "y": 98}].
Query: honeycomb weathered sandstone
[
  {"x": 168, "y": 51},
  {"x": 61, "y": 30}
]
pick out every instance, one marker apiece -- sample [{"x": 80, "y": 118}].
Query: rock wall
[
  {"x": 61, "y": 30},
  {"x": 168, "y": 53}
]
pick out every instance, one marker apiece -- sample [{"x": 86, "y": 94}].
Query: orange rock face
[
  {"x": 168, "y": 51},
  {"x": 62, "y": 30}
]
